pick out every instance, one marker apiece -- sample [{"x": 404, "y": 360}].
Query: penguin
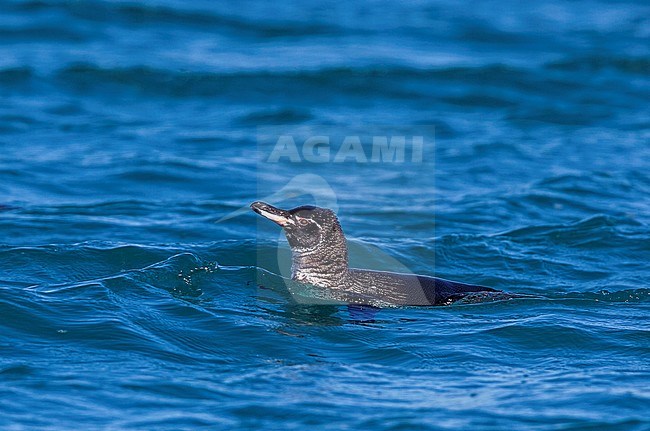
[{"x": 319, "y": 257}]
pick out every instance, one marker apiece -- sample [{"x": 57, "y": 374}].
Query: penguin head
[{"x": 306, "y": 227}]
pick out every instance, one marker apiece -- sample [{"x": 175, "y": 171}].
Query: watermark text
[{"x": 324, "y": 149}]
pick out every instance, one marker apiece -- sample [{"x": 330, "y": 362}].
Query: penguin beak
[{"x": 272, "y": 213}]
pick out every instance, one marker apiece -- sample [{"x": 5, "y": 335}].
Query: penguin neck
[{"x": 323, "y": 266}]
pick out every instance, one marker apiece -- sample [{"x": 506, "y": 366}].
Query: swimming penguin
[{"x": 320, "y": 257}]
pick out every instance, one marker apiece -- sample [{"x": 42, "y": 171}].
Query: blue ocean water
[{"x": 130, "y": 129}]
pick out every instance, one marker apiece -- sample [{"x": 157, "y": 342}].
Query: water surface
[{"x": 128, "y": 129}]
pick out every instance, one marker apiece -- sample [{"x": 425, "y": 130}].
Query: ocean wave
[
  {"x": 640, "y": 294},
  {"x": 632, "y": 65},
  {"x": 142, "y": 14},
  {"x": 598, "y": 230},
  {"x": 497, "y": 86},
  {"x": 47, "y": 33},
  {"x": 16, "y": 75},
  {"x": 275, "y": 116},
  {"x": 182, "y": 273},
  {"x": 361, "y": 80}
]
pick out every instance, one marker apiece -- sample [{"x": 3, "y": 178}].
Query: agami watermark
[{"x": 359, "y": 149}]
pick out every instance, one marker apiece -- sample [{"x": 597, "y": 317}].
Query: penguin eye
[{"x": 303, "y": 222}]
